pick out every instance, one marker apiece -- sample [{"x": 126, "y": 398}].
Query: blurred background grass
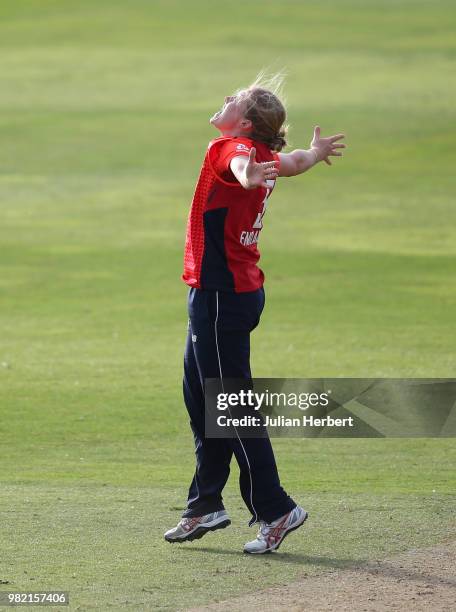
[{"x": 104, "y": 111}]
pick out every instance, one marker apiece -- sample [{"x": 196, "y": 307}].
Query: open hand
[
  {"x": 324, "y": 147},
  {"x": 258, "y": 173}
]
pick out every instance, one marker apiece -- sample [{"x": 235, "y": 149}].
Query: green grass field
[{"x": 103, "y": 127}]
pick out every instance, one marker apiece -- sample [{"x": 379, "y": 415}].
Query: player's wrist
[
  {"x": 247, "y": 183},
  {"x": 314, "y": 155}
]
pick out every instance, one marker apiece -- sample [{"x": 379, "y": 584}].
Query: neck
[{"x": 234, "y": 133}]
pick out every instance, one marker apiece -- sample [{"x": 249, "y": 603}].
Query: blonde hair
[{"x": 265, "y": 109}]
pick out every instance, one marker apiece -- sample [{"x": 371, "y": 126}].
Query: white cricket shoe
[
  {"x": 271, "y": 535},
  {"x": 195, "y": 527}
]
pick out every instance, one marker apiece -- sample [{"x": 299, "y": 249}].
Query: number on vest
[{"x": 259, "y": 220}]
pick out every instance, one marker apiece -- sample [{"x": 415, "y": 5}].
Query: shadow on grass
[
  {"x": 383, "y": 568},
  {"x": 297, "y": 558}
]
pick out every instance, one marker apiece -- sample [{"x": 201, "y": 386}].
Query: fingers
[
  {"x": 334, "y": 154},
  {"x": 270, "y": 170},
  {"x": 265, "y": 165},
  {"x": 330, "y": 139},
  {"x": 329, "y": 143}
]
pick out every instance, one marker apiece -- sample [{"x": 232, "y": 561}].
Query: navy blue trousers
[{"x": 218, "y": 346}]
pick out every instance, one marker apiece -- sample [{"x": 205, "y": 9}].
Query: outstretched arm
[{"x": 300, "y": 160}]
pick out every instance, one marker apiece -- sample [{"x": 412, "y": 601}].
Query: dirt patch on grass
[{"x": 418, "y": 580}]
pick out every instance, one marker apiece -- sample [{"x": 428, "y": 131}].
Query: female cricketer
[{"x": 225, "y": 302}]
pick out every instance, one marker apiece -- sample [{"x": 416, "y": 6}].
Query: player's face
[{"x": 228, "y": 119}]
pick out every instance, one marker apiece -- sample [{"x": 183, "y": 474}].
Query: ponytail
[{"x": 278, "y": 142}]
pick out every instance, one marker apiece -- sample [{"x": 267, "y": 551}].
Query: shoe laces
[
  {"x": 189, "y": 523},
  {"x": 272, "y": 531}
]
